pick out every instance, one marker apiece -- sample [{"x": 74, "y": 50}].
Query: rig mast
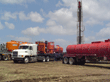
[{"x": 80, "y": 28}]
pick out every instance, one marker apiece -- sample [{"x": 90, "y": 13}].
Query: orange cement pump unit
[
  {"x": 6, "y": 49},
  {"x": 47, "y": 50}
]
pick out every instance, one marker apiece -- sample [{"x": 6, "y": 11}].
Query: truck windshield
[{"x": 24, "y": 47}]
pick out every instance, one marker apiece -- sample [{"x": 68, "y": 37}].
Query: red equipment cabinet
[{"x": 78, "y": 52}]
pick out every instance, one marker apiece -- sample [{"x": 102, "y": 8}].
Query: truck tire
[
  {"x": 44, "y": 59},
  {"x": 47, "y": 59},
  {"x": 5, "y": 58},
  {"x": 15, "y": 61},
  {"x": 71, "y": 61},
  {"x": 65, "y": 60},
  {"x": 26, "y": 60},
  {"x": 0, "y": 57}
]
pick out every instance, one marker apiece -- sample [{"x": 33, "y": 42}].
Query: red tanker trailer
[{"x": 77, "y": 54}]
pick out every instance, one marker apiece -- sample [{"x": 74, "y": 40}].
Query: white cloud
[
  {"x": 11, "y": 36},
  {"x": 33, "y": 16},
  {"x": 55, "y": 30},
  {"x": 108, "y": 25},
  {"x": 8, "y": 15},
  {"x": 92, "y": 21},
  {"x": 59, "y": 30},
  {"x": 1, "y": 26},
  {"x": 63, "y": 16},
  {"x": 33, "y": 31},
  {"x": 15, "y": 1},
  {"x": 97, "y": 10},
  {"x": 26, "y": 39},
  {"x": 63, "y": 43},
  {"x": 104, "y": 32},
  {"x": 59, "y": 4},
  {"x": 45, "y": 0},
  {"x": 10, "y": 25},
  {"x": 69, "y": 2},
  {"x": 51, "y": 23},
  {"x": 22, "y": 16},
  {"x": 89, "y": 39},
  {"x": 62, "y": 22},
  {"x": 42, "y": 11}
]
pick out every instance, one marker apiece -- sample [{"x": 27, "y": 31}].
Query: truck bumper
[{"x": 18, "y": 59}]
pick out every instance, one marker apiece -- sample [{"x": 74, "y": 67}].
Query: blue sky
[{"x": 53, "y": 20}]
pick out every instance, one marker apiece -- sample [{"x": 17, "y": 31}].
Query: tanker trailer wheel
[
  {"x": 65, "y": 60},
  {"x": 71, "y": 61},
  {"x": 47, "y": 59},
  {"x": 26, "y": 60},
  {"x": 44, "y": 59}
]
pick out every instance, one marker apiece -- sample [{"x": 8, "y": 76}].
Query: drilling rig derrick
[{"x": 80, "y": 27}]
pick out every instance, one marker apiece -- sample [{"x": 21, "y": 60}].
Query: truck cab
[{"x": 26, "y": 53}]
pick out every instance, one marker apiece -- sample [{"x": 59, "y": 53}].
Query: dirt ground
[{"x": 53, "y": 71}]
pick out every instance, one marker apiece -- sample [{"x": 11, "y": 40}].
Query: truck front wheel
[
  {"x": 26, "y": 60},
  {"x": 5, "y": 58}
]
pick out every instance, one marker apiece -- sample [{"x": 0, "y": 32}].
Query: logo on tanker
[{"x": 14, "y": 44}]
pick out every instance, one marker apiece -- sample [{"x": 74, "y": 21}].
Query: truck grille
[{"x": 15, "y": 54}]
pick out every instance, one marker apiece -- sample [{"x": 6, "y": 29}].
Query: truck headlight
[{"x": 20, "y": 56}]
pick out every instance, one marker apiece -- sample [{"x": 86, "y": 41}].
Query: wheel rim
[
  {"x": 43, "y": 59},
  {"x": 65, "y": 60},
  {"x": 71, "y": 61},
  {"x": 5, "y": 58},
  {"x": 26, "y": 60},
  {"x": 47, "y": 59}
]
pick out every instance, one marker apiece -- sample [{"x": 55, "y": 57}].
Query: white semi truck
[{"x": 26, "y": 53}]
